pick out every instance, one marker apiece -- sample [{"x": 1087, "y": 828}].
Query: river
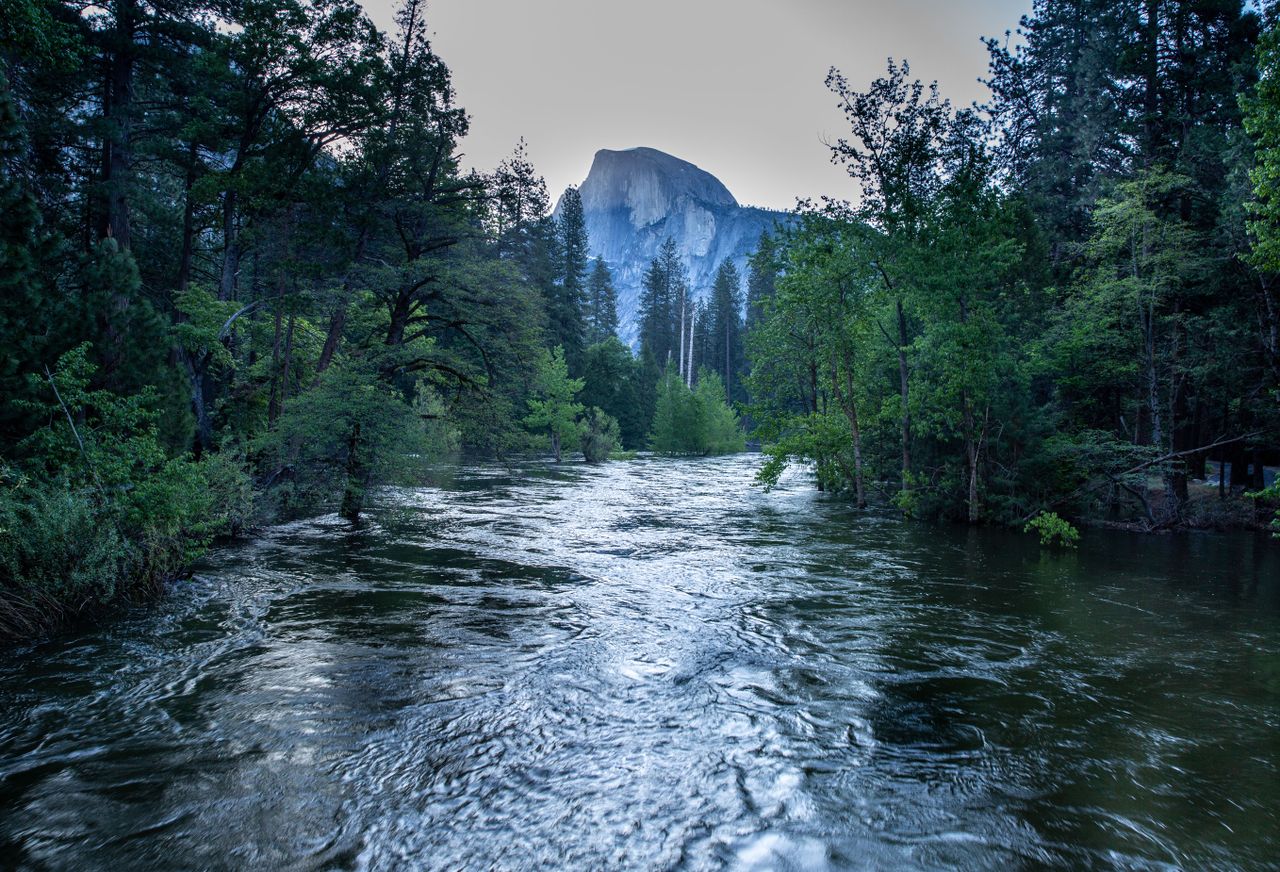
[{"x": 655, "y": 665}]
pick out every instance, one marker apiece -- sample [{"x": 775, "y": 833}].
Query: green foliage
[
  {"x": 724, "y": 329},
  {"x": 602, "y": 305},
  {"x": 718, "y": 427},
  {"x": 569, "y": 296},
  {"x": 1053, "y": 530},
  {"x": 614, "y": 380},
  {"x": 261, "y": 245},
  {"x": 676, "y": 417},
  {"x": 104, "y": 512},
  {"x": 346, "y": 435},
  {"x": 553, "y": 407},
  {"x": 1262, "y": 121},
  {"x": 694, "y": 422},
  {"x": 600, "y": 436},
  {"x": 1272, "y": 495}
]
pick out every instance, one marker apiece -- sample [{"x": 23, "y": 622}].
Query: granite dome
[{"x": 634, "y": 199}]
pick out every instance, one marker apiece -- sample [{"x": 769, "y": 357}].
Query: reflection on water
[{"x": 656, "y": 665}]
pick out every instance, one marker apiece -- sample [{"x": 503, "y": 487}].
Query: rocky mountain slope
[{"x": 634, "y": 199}]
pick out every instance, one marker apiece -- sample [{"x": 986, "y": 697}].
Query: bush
[
  {"x": 599, "y": 436},
  {"x": 101, "y": 513},
  {"x": 694, "y": 422},
  {"x": 1054, "y": 531},
  {"x": 58, "y": 546},
  {"x": 1271, "y": 494}
]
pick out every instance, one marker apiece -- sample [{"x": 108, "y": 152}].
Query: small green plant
[
  {"x": 1055, "y": 531},
  {"x": 1270, "y": 493}
]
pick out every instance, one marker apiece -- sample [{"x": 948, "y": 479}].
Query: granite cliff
[{"x": 634, "y": 199}]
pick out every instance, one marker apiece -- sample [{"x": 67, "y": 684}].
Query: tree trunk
[
  {"x": 357, "y": 475},
  {"x": 117, "y": 146},
  {"x": 693, "y": 321},
  {"x": 273, "y": 402},
  {"x": 230, "y": 248},
  {"x": 971, "y": 450},
  {"x": 1153, "y": 378},
  {"x": 903, "y": 374},
  {"x": 680, "y": 365},
  {"x": 845, "y": 398},
  {"x": 196, "y": 380},
  {"x": 399, "y": 320},
  {"x": 188, "y": 220},
  {"x": 555, "y": 445},
  {"x": 288, "y": 364}
]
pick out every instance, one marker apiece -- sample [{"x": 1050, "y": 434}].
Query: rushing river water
[{"x": 655, "y": 665}]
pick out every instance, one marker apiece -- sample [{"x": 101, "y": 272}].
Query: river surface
[{"x": 656, "y": 665}]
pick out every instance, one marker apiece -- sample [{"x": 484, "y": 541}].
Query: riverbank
[{"x": 69, "y": 560}]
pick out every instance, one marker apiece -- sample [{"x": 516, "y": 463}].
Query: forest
[
  {"x": 1062, "y": 301},
  {"x": 244, "y": 277}
]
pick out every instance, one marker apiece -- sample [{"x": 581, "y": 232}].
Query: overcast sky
[{"x": 735, "y": 86}]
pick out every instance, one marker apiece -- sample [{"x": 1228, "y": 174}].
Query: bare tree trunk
[
  {"x": 680, "y": 365},
  {"x": 693, "y": 323}
]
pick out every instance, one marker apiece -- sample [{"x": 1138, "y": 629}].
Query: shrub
[
  {"x": 1270, "y": 494},
  {"x": 1054, "y": 531},
  {"x": 600, "y": 436},
  {"x": 101, "y": 513},
  {"x": 694, "y": 422}
]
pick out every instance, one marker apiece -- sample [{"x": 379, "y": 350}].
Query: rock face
[{"x": 634, "y": 200}]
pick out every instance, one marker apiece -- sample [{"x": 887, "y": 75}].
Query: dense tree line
[
  {"x": 691, "y": 332},
  {"x": 1061, "y": 300}
]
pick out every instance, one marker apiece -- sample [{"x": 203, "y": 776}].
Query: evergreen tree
[
  {"x": 725, "y": 329},
  {"x": 613, "y": 381},
  {"x": 762, "y": 278},
  {"x": 665, "y": 281},
  {"x": 553, "y": 407},
  {"x": 568, "y": 322},
  {"x": 29, "y": 305},
  {"x": 602, "y": 309}
]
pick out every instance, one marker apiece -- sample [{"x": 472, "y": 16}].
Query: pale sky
[{"x": 734, "y": 86}]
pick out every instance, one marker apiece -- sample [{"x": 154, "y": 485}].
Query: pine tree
[
  {"x": 664, "y": 281},
  {"x": 762, "y": 278},
  {"x": 568, "y": 327},
  {"x": 25, "y": 305},
  {"x": 602, "y": 310},
  {"x": 726, "y": 328}
]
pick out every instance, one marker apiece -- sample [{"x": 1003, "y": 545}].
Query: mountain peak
[
  {"x": 648, "y": 184},
  {"x": 635, "y": 199}
]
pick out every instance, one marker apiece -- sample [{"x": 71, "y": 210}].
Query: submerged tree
[{"x": 553, "y": 407}]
